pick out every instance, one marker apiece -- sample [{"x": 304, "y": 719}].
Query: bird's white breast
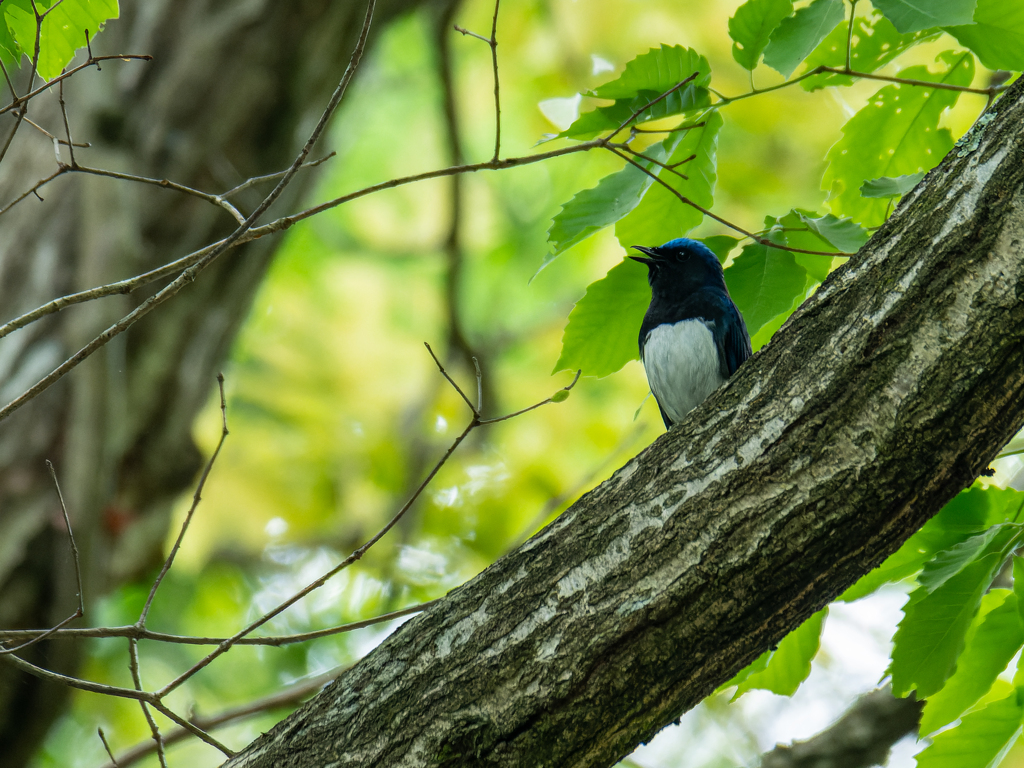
[{"x": 681, "y": 361}]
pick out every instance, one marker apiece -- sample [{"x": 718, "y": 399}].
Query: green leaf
[
  {"x": 970, "y": 512},
  {"x": 764, "y": 282},
  {"x": 1018, "y": 584},
  {"x": 593, "y": 209},
  {"x": 844, "y": 234},
  {"x": 662, "y": 216},
  {"x": 875, "y": 43},
  {"x": 798, "y": 35},
  {"x": 999, "y": 539},
  {"x": 658, "y": 70},
  {"x": 914, "y": 15},
  {"x": 789, "y": 665},
  {"x": 995, "y": 635},
  {"x": 931, "y": 634},
  {"x": 980, "y": 738},
  {"x": 888, "y": 186},
  {"x": 896, "y": 133},
  {"x": 62, "y": 33},
  {"x": 604, "y": 326},
  {"x": 721, "y": 245},
  {"x": 685, "y": 100},
  {"x": 752, "y": 25},
  {"x": 997, "y": 35}
]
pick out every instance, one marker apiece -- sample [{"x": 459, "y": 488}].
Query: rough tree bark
[
  {"x": 231, "y": 91},
  {"x": 883, "y": 396}
]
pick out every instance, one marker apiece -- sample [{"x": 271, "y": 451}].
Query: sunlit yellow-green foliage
[{"x": 337, "y": 411}]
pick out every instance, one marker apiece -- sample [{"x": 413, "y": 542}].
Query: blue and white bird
[{"x": 693, "y": 337}]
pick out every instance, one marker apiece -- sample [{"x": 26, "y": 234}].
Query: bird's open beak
[{"x": 641, "y": 259}]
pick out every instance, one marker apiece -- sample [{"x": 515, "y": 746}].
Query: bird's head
[{"x": 681, "y": 264}]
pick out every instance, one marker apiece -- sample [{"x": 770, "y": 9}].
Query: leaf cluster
[{"x": 667, "y": 188}]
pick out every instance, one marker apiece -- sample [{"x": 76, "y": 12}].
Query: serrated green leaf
[
  {"x": 681, "y": 102},
  {"x": 752, "y": 25},
  {"x": 790, "y": 664},
  {"x": 721, "y": 245},
  {"x": 980, "y": 738},
  {"x": 764, "y": 282},
  {"x": 896, "y": 133},
  {"x": 995, "y": 635},
  {"x": 888, "y": 186},
  {"x": 997, "y": 34},
  {"x": 998, "y": 539},
  {"x": 62, "y": 33},
  {"x": 1018, "y": 584},
  {"x": 756, "y": 665},
  {"x": 970, "y": 512},
  {"x": 64, "y": 28},
  {"x": 875, "y": 43},
  {"x": 604, "y": 327},
  {"x": 591, "y": 210},
  {"x": 661, "y": 216},
  {"x": 657, "y": 71},
  {"x": 914, "y": 15},
  {"x": 930, "y": 636},
  {"x": 798, "y": 35},
  {"x": 10, "y": 51},
  {"x": 843, "y": 234}
]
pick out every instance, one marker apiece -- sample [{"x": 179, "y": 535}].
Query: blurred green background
[{"x": 335, "y": 408}]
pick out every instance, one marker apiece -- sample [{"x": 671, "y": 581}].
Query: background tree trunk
[
  {"x": 883, "y": 396},
  {"x": 232, "y": 89}
]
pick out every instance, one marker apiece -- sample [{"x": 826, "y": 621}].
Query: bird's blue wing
[{"x": 732, "y": 340}]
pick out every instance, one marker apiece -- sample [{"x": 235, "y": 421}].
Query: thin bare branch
[
  {"x": 645, "y": 107},
  {"x": 142, "y": 633},
  {"x": 154, "y": 729},
  {"x": 17, "y": 101},
  {"x": 451, "y": 381},
  {"x": 196, "y": 498},
  {"x": 285, "y": 698},
  {"x": 106, "y": 746},
  {"x": 192, "y": 728},
  {"x": 80, "y": 610},
  {"x": 82, "y": 685},
  {"x": 271, "y": 176},
  {"x": 553, "y": 399}
]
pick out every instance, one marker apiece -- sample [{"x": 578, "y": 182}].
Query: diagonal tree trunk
[
  {"x": 885, "y": 394},
  {"x": 232, "y": 87}
]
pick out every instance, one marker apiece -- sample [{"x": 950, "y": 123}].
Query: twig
[
  {"x": 33, "y": 124},
  {"x": 452, "y": 381},
  {"x": 64, "y": 115},
  {"x": 195, "y": 730},
  {"x": 196, "y": 497},
  {"x": 849, "y": 32},
  {"x": 715, "y": 216},
  {"x": 93, "y": 61},
  {"x": 492, "y": 41},
  {"x": 650, "y": 104},
  {"x": 80, "y": 610},
  {"x": 133, "y": 666},
  {"x": 217, "y": 200},
  {"x": 271, "y": 176},
  {"x": 106, "y": 746},
  {"x": 82, "y": 685},
  {"x": 142, "y": 633},
  {"x": 497, "y": 98},
  {"x": 287, "y": 697},
  {"x": 553, "y": 399}
]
